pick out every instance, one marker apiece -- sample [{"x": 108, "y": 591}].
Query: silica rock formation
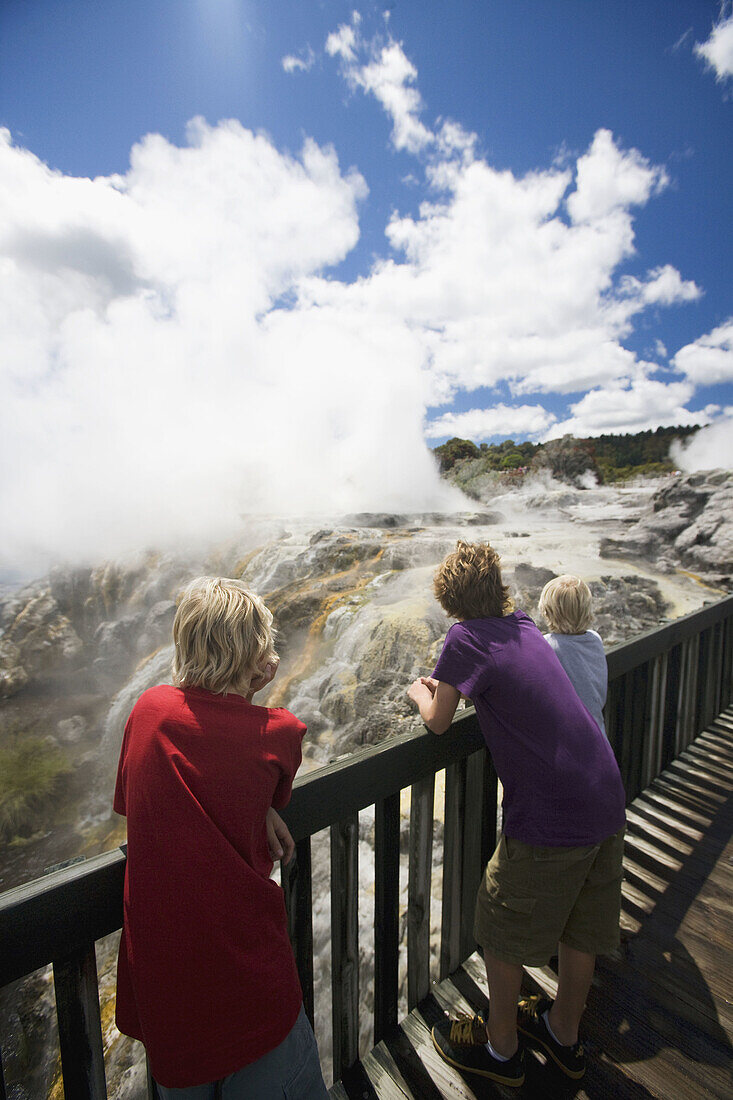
[{"x": 687, "y": 525}]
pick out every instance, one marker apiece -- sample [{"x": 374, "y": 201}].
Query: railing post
[
  {"x": 489, "y": 818},
  {"x": 640, "y": 732},
  {"x": 626, "y": 710},
  {"x": 453, "y": 820},
  {"x": 386, "y": 914},
  {"x": 345, "y": 942},
  {"x": 474, "y": 828},
  {"x": 297, "y": 885},
  {"x": 651, "y": 747},
  {"x": 80, "y": 1026},
  {"x": 613, "y": 714},
  {"x": 724, "y": 666},
  {"x": 671, "y": 705},
  {"x": 418, "y": 890}
]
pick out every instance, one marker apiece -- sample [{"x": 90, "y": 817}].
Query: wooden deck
[{"x": 659, "y": 1021}]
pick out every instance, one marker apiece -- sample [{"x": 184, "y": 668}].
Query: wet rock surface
[{"x": 688, "y": 525}]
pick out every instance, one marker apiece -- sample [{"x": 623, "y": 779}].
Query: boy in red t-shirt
[{"x": 206, "y": 977}]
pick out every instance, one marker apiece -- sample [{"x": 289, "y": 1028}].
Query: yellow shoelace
[
  {"x": 462, "y": 1029},
  {"x": 530, "y": 1006}
]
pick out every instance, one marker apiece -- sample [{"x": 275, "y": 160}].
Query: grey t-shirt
[{"x": 584, "y": 660}]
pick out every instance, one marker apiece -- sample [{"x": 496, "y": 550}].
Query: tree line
[{"x": 609, "y": 457}]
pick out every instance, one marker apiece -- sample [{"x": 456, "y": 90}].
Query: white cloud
[
  {"x": 717, "y": 50},
  {"x": 292, "y": 64},
  {"x": 709, "y": 359},
  {"x": 153, "y": 390},
  {"x": 389, "y": 76},
  {"x": 500, "y": 288},
  {"x": 645, "y": 404},
  {"x": 520, "y": 421},
  {"x": 609, "y": 181},
  {"x": 663, "y": 286},
  {"x": 709, "y": 449},
  {"x": 342, "y": 42}
]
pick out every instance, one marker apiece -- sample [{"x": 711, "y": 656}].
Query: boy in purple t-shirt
[{"x": 555, "y": 877}]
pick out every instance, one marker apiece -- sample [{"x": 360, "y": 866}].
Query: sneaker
[
  {"x": 462, "y": 1043},
  {"x": 571, "y": 1060}
]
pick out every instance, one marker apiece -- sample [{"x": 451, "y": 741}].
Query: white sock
[
  {"x": 495, "y": 1053},
  {"x": 546, "y": 1018}
]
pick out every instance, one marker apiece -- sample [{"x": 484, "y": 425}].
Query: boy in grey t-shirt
[{"x": 566, "y": 605}]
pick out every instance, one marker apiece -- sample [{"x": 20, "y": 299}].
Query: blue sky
[{"x": 491, "y": 219}]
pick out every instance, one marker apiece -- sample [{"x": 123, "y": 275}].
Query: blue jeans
[{"x": 291, "y": 1071}]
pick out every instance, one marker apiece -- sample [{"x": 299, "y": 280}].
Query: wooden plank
[
  {"x": 489, "y": 824},
  {"x": 444, "y": 1080},
  {"x": 297, "y": 885},
  {"x": 80, "y": 1026},
  {"x": 453, "y": 820},
  {"x": 613, "y": 714},
  {"x": 411, "y": 1068},
  {"x": 671, "y": 704},
  {"x": 473, "y": 833},
  {"x": 345, "y": 943},
  {"x": 700, "y": 779},
  {"x": 645, "y": 1054},
  {"x": 356, "y": 1084},
  {"x": 668, "y": 807},
  {"x": 626, "y": 1057},
  {"x": 687, "y": 793},
  {"x": 386, "y": 913},
  {"x": 689, "y": 876},
  {"x": 418, "y": 890},
  {"x": 383, "y": 1071},
  {"x": 649, "y": 809},
  {"x": 716, "y": 765},
  {"x": 646, "y": 1002},
  {"x": 639, "y": 684}
]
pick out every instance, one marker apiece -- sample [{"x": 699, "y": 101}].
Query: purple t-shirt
[{"x": 562, "y": 786}]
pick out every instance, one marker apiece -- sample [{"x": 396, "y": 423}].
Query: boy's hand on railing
[
  {"x": 436, "y": 701},
  {"x": 416, "y": 690},
  {"x": 279, "y": 841}
]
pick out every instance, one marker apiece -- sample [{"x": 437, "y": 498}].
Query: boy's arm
[{"x": 436, "y": 701}]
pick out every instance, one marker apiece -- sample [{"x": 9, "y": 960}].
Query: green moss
[
  {"x": 625, "y": 473},
  {"x": 30, "y": 771}
]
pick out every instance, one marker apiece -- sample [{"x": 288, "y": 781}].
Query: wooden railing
[{"x": 664, "y": 688}]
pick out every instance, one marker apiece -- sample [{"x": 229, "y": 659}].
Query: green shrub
[{"x": 30, "y": 771}]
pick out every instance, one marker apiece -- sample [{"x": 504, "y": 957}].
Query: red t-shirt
[{"x": 206, "y": 977}]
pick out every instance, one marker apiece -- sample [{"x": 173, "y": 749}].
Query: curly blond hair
[
  {"x": 566, "y": 603},
  {"x": 223, "y": 636},
  {"x": 468, "y": 583}
]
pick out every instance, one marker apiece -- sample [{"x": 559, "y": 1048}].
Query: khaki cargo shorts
[{"x": 530, "y": 899}]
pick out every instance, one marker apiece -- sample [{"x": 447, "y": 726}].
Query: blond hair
[
  {"x": 223, "y": 636},
  {"x": 566, "y": 604},
  {"x": 468, "y": 583}
]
